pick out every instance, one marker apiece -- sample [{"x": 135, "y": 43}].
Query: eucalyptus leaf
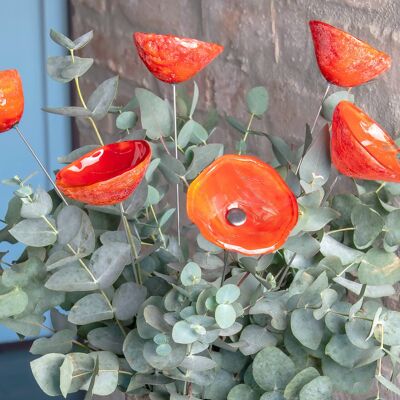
[
  {"x": 126, "y": 120},
  {"x": 133, "y": 352},
  {"x": 41, "y": 205},
  {"x": 225, "y": 315},
  {"x": 34, "y": 232},
  {"x": 195, "y": 99},
  {"x": 171, "y": 168},
  {"x": 65, "y": 68},
  {"x": 154, "y": 113},
  {"x": 330, "y": 103},
  {"x": 316, "y": 166},
  {"x": 272, "y": 369},
  {"x": 257, "y": 100},
  {"x": 13, "y": 302},
  {"x": 379, "y": 268},
  {"x": 318, "y": 389},
  {"x": 202, "y": 157},
  {"x": 301, "y": 379},
  {"x": 127, "y": 300},
  {"x": 60, "y": 342},
  {"x": 70, "y": 111},
  {"x": 83, "y": 40},
  {"x": 192, "y": 132},
  {"x": 368, "y": 225},
  {"x": 101, "y": 99},
  {"x": 91, "y": 308},
  {"x": 108, "y": 338},
  {"x": 46, "y": 371},
  {"x": 307, "y": 330},
  {"x": 242, "y": 392},
  {"x": 61, "y": 39}
]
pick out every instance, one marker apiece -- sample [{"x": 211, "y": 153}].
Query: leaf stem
[
  {"x": 129, "y": 236},
  {"x": 246, "y": 134},
  {"x": 340, "y": 230},
  {"x": 78, "y": 90},
  {"x": 164, "y": 145},
  {"x": 158, "y": 225},
  {"x": 380, "y": 187}
]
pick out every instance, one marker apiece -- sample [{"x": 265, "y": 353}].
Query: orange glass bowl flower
[
  {"x": 107, "y": 175},
  {"x": 266, "y": 209},
  {"x": 360, "y": 148},
  {"x": 174, "y": 59},
  {"x": 343, "y": 59},
  {"x": 11, "y": 99}
]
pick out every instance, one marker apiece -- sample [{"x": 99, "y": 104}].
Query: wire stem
[
  {"x": 178, "y": 206},
  {"x": 40, "y": 164}
]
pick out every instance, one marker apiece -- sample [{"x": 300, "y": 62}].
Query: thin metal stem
[
  {"x": 40, "y": 164},
  {"x": 178, "y": 207},
  {"x": 315, "y": 123}
]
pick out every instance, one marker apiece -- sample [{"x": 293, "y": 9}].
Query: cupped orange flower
[
  {"x": 250, "y": 191},
  {"x": 174, "y": 59},
  {"x": 11, "y": 99},
  {"x": 343, "y": 59},
  {"x": 107, "y": 175},
  {"x": 360, "y": 148}
]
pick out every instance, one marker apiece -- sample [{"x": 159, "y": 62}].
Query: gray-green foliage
[{"x": 293, "y": 325}]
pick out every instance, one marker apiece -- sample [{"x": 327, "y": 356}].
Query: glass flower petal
[{"x": 268, "y": 208}]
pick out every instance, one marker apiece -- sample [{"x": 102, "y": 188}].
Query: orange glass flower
[
  {"x": 107, "y": 175},
  {"x": 263, "y": 208},
  {"x": 360, "y": 148},
  {"x": 11, "y": 99},
  {"x": 343, "y": 59},
  {"x": 174, "y": 59}
]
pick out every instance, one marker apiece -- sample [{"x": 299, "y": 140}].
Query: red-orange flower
[
  {"x": 174, "y": 59},
  {"x": 11, "y": 99},
  {"x": 343, "y": 59},
  {"x": 107, "y": 175},
  {"x": 267, "y": 208},
  {"x": 360, "y": 148}
]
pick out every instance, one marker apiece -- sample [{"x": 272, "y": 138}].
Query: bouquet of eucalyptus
[{"x": 277, "y": 287}]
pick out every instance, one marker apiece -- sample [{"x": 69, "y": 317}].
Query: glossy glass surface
[
  {"x": 107, "y": 175},
  {"x": 343, "y": 59},
  {"x": 360, "y": 148},
  {"x": 246, "y": 183},
  {"x": 11, "y": 99},
  {"x": 174, "y": 59}
]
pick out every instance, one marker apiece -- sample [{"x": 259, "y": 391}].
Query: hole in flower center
[{"x": 236, "y": 216}]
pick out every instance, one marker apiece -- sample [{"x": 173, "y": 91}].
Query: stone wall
[{"x": 267, "y": 42}]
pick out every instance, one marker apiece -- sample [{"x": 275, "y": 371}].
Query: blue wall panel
[{"x": 25, "y": 45}]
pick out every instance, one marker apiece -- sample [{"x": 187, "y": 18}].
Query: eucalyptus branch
[
  {"x": 78, "y": 90},
  {"x": 246, "y": 134}
]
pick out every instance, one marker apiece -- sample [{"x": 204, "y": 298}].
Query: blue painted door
[{"x": 25, "y": 45}]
